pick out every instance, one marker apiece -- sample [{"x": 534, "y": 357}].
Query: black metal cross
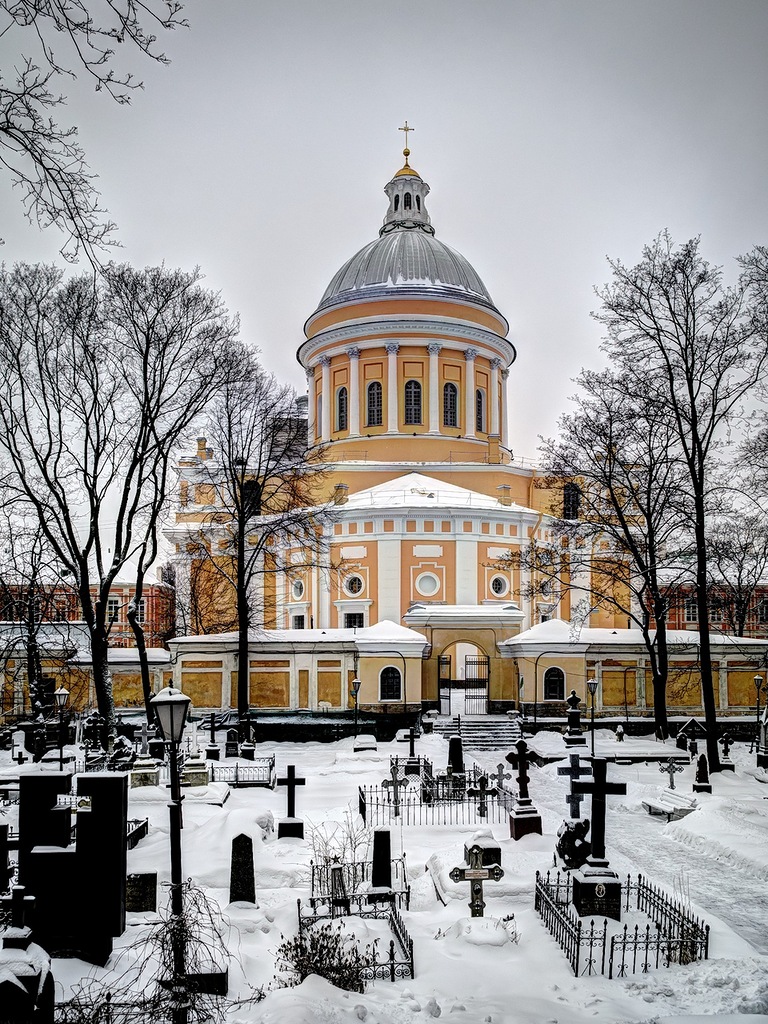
[
  {"x": 395, "y": 784},
  {"x": 520, "y": 761},
  {"x": 291, "y": 782},
  {"x": 725, "y": 741},
  {"x": 574, "y": 771},
  {"x": 482, "y": 792},
  {"x": 213, "y": 727},
  {"x": 598, "y": 789},
  {"x": 671, "y": 767},
  {"x": 411, "y": 741},
  {"x": 476, "y": 874},
  {"x": 20, "y": 906}
]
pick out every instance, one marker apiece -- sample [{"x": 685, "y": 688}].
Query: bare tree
[
  {"x": 698, "y": 348},
  {"x": 264, "y": 487},
  {"x": 61, "y": 40},
  {"x": 98, "y": 381},
  {"x": 738, "y": 552},
  {"x": 614, "y": 536}
]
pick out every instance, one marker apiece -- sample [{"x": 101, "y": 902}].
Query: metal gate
[
  {"x": 476, "y": 675},
  {"x": 444, "y": 683}
]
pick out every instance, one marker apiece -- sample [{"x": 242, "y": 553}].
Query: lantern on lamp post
[
  {"x": 60, "y": 697},
  {"x": 356, "y": 684},
  {"x": 171, "y": 709},
  {"x": 592, "y": 687}
]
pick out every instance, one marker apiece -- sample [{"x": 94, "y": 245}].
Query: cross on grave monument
[
  {"x": 524, "y": 819},
  {"x": 596, "y": 889},
  {"x": 291, "y": 825},
  {"x": 481, "y": 791},
  {"x": 671, "y": 767},
  {"x": 474, "y": 873},
  {"x": 574, "y": 737},
  {"x": 396, "y": 783},
  {"x": 574, "y": 771},
  {"x": 411, "y": 740},
  {"x": 726, "y": 764},
  {"x": 144, "y": 734}
]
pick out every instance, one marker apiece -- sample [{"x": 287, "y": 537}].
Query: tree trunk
[
  {"x": 141, "y": 647},
  {"x": 243, "y": 623},
  {"x": 705, "y": 650},
  {"x": 102, "y": 678}
]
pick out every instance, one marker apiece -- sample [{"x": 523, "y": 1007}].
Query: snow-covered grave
[{"x": 503, "y": 968}]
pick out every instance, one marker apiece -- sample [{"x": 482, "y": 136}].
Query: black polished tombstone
[
  {"x": 80, "y": 889},
  {"x": 242, "y": 882},
  {"x": 596, "y": 888},
  {"x": 41, "y": 822},
  {"x": 574, "y": 737}
]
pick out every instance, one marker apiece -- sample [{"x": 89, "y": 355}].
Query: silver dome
[{"x": 407, "y": 260}]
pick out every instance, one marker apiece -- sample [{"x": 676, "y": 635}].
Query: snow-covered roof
[
  {"x": 414, "y": 490},
  {"x": 128, "y": 656},
  {"x": 501, "y": 612},
  {"x": 562, "y": 635},
  {"x": 365, "y": 638}
]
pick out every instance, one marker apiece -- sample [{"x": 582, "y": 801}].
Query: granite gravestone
[
  {"x": 242, "y": 882},
  {"x": 232, "y": 745},
  {"x": 702, "y": 783},
  {"x": 524, "y": 819},
  {"x": 26, "y": 981}
]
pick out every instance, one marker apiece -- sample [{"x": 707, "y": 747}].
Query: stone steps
[{"x": 486, "y": 732}]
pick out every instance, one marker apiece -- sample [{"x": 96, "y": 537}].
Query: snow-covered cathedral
[{"x": 407, "y": 359}]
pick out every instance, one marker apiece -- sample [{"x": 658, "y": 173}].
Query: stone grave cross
[
  {"x": 395, "y": 784},
  {"x": 726, "y": 740},
  {"x": 671, "y": 767},
  {"x": 523, "y": 778},
  {"x": 411, "y": 741},
  {"x": 144, "y": 749},
  {"x": 498, "y": 777},
  {"x": 574, "y": 771},
  {"x": 291, "y": 781},
  {"x": 598, "y": 789},
  {"x": 476, "y": 874}
]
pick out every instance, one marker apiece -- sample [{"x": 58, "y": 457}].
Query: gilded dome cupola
[{"x": 407, "y": 195}]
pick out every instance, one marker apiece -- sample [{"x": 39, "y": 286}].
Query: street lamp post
[
  {"x": 171, "y": 709},
  {"x": 356, "y": 684},
  {"x": 592, "y": 687},
  {"x": 61, "y": 696},
  {"x": 758, "y": 680}
]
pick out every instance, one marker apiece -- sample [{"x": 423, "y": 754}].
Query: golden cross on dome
[{"x": 406, "y": 128}]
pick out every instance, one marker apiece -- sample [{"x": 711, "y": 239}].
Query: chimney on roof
[
  {"x": 504, "y": 494},
  {"x": 203, "y": 451},
  {"x": 340, "y": 494}
]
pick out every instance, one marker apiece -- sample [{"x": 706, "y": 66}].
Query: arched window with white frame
[
  {"x": 373, "y": 404},
  {"x": 412, "y": 402},
  {"x": 390, "y": 683},
  {"x": 554, "y": 684},
  {"x": 342, "y": 409},
  {"x": 480, "y": 411},
  {"x": 450, "y": 405}
]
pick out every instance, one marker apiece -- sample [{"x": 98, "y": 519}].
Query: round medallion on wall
[
  {"x": 427, "y": 584},
  {"x": 499, "y": 586}
]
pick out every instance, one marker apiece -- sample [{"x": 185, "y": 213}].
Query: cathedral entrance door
[
  {"x": 444, "y": 683},
  {"x": 476, "y": 676}
]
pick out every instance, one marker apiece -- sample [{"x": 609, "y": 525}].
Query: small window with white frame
[
  {"x": 354, "y": 584},
  {"x": 499, "y": 585},
  {"x": 691, "y": 610},
  {"x": 297, "y": 590}
]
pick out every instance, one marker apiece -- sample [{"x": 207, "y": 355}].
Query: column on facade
[
  {"x": 722, "y": 680},
  {"x": 504, "y": 411},
  {"x": 470, "y": 355},
  {"x": 640, "y": 683},
  {"x": 312, "y": 399},
  {"x": 434, "y": 389},
  {"x": 495, "y": 367},
  {"x": 392, "y": 418},
  {"x": 327, "y": 399},
  {"x": 354, "y": 389}
]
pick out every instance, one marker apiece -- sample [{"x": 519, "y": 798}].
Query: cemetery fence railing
[
  {"x": 355, "y": 880},
  {"x": 397, "y": 962},
  {"x": 673, "y": 936},
  {"x": 378, "y": 806}
]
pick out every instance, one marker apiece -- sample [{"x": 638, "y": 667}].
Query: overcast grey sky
[{"x": 552, "y": 133}]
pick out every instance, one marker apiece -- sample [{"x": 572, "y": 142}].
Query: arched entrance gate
[{"x": 468, "y": 693}]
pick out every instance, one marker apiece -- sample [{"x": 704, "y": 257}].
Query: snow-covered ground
[{"x": 470, "y": 971}]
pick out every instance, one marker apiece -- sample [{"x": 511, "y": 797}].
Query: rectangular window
[
  {"x": 354, "y": 620},
  {"x": 141, "y": 612},
  {"x": 113, "y": 609},
  {"x": 297, "y": 622},
  {"x": 691, "y": 610},
  {"x": 762, "y": 611}
]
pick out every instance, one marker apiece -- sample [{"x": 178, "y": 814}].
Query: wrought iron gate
[
  {"x": 444, "y": 683},
  {"x": 476, "y": 675}
]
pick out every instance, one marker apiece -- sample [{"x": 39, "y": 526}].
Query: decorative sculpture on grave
[
  {"x": 726, "y": 742},
  {"x": 572, "y": 846},
  {"x": 596, "y": 889}
]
